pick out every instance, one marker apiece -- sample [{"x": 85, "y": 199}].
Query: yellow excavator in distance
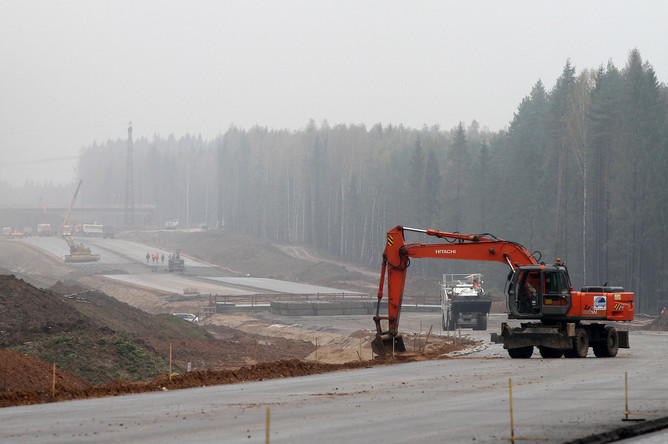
[{"x": 78, "y": 252}]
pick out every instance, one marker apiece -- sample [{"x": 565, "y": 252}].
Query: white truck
[
  {"x": 93, "y": 230},
  {"x": 464, "y": 302}
]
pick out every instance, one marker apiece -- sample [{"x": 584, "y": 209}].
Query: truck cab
[{"x": 44, "y": 230}]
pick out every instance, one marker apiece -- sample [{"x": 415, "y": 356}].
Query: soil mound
[
  {"x": 660, "y": 323},
  {"x": 25, "y": 372},
  {"x": 27, "y": 312}
]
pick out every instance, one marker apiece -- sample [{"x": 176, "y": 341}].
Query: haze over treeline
[{"x": 580, "y": 174}]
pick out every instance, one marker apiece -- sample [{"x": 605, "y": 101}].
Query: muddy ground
[{"x": 51, "y": 313}]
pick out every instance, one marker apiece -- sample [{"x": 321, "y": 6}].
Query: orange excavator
[{"x": 554, "y": 317}]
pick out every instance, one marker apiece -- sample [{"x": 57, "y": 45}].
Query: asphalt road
[
  {"x": 454, "y": 400},
  {"x": 117, "y": 253},
  {"x": 126, "y": 261}
]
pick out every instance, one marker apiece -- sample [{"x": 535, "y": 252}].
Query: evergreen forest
[{"x": 579, "y": 173}]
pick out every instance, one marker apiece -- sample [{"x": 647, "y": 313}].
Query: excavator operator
[{"x": 528, "y": 297}]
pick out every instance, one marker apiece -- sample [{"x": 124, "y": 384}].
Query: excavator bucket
[{"x": 386, "y": 344}]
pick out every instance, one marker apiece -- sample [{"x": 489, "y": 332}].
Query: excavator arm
[{"x": 396, "y": 260}]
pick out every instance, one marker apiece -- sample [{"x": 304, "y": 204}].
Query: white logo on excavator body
[{"x": 446, "y": 251}]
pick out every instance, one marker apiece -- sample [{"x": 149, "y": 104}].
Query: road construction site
[{"x": 465, "y": 397}]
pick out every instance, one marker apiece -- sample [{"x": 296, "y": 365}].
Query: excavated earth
[{"x": 65, "y": 341}]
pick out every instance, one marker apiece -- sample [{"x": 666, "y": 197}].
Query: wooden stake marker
[
  {"x": 514, "y": 438},
  {"x": 626, "y": 396},
  {"x": 512, "y": 424}
]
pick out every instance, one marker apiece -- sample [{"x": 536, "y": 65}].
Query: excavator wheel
[
  {"x": 608, "y": 347},
  {"x": 382, "y": 344},
  {"x": 580, "y": 345},
  {"x": 521, "y": 352},
  {"x": 550, "y": 353}
]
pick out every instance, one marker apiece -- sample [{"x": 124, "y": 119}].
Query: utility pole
[
  {"x": 219, "y": 219},
  {"x": 188, "y": 195},
  {"x": 129, "y": 184}
]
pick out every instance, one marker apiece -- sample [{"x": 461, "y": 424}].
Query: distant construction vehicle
[
  {"x": 92, "y": 230},
  {"x": 78, "y": 252},
  {"x": 175, "y": 262},
  {"x": 44, "y": 230},
  {"x": 464, "y": 302}
]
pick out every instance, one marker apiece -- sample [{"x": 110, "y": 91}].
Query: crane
[{"x": 78, "y": 252}]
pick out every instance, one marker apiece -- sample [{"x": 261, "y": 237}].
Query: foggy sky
[{"x": 76, "y": 72}]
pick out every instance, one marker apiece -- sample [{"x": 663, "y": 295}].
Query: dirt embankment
[
  {"x": 68, "y": 388},
  {"x": 103, "y": 347}
]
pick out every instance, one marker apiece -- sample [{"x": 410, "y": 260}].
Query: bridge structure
[{"x": 20, "y": 217}]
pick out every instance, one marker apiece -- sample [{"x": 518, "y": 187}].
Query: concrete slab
[
  {"x": 322, "y": 308},
  {"x": 277, "y": 286}
]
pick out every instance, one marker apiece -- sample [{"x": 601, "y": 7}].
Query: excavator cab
[{"x": 538, "y": 291}]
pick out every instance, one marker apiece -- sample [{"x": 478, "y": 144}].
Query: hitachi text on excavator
[{"x": 554, "y": 317}]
